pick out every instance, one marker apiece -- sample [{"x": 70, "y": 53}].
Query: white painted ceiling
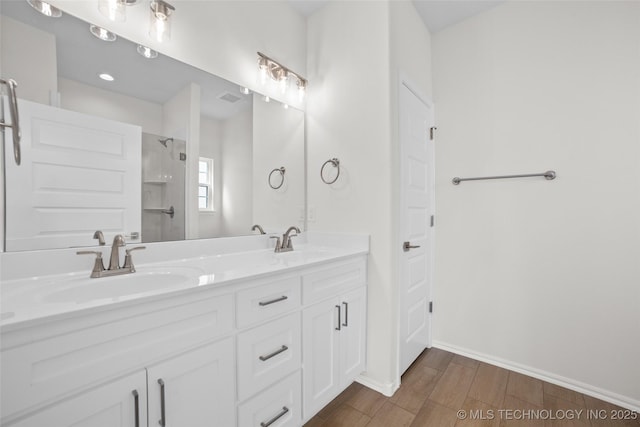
[{"x": 436, "y": 14}]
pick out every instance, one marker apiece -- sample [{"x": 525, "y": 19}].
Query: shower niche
[{"x": 163, "y": 188}]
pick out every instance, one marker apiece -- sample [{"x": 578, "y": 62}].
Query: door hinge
[
  {"x": 432, "y": 131},
  {"x": 433, "y": 220},
  {"x": 430, "y": 306}
]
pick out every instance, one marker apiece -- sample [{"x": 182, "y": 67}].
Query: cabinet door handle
[
  {"x": 282, "y": 298},
  {"x": 275, "y": 353},
  {"x": 276, "y": 418},
  {"x": 339, "y": 318},
  {"x": 346, "y": 314},
  {"x": 163, "y": 419},
  {"x": 136, "y": 406}
]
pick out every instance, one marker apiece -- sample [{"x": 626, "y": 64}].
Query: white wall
[
  {"x": 33, "y": 59},
  {"x": 210, "y": 223},
  {"x": 237, "y": 176},
  {"x": 542, "y": 275},
  {"x": 278, "y": 141},
  {"x": 181, "y": 119},
  {"x": 221, "y": 37},
  {"x": 348, "y": 117}
]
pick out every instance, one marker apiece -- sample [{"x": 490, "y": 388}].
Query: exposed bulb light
[
  {"x": 285, "y": 106},
  {"x": 45, "y": 8},
  {"x": 262, "y": 67},
  {"x": 102, "y": 34},
  {"x": 280, "y": 74},
  {"x": 302, "y": 89},
  {"x": 267, "y": 99},
  {"x": 107, "y": 77},
  {"x": 160, "y": 23},
  {"x": 114, "y": 10},
  {"x": 245, "y": 91},
  {"x": 147, "y": 52}
]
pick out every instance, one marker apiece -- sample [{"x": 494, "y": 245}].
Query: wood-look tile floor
[{"x": 442, "y": 389}]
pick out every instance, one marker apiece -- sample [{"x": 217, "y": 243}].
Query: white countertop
[{"x": 37, "y": 298}]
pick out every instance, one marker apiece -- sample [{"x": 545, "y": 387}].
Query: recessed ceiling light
[
  {"x": 45, "y": 8},
  {"x": 102, "y": 34},
  {"x": 106, "y": 77},
  {"x": 147, "y": 52}
]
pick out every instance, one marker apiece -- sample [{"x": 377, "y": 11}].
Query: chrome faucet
[
  {"x": 114, "y": 261},
  {"x": 286, "y": 245},
  {"x": 257, "y": 227}
]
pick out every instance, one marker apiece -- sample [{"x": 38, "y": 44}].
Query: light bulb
[
  {"x": 160, "y": 23},
  {"x": 302, "y": 88},
  {"x": 113, "y": 9},
  {"x": 45, "y": 8},
  {"x": 282, "y": 81}
]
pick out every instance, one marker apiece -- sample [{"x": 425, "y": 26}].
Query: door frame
[{"x": 398, "y": 239}]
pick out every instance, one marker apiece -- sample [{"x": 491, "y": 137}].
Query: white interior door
[
  {"x": 79, "y": 174},
  {"x": 416, "y": 165}
]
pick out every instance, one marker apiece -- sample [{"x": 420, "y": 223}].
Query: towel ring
[
  {"x": 336, "y": 164},
  {"x": 282, "y": 171}
]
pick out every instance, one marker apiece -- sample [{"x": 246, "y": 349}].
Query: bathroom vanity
[{"x": 232, "y": 334}]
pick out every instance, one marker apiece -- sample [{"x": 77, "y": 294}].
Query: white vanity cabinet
[
  {"x": 121, "y": 403},
  {"x": 334, "y": 331},
  {"x": 188, "y": 390},
  {"x": 269, "y": 350}
]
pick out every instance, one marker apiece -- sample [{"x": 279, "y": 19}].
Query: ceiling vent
[{"x": 229, "y": 97}]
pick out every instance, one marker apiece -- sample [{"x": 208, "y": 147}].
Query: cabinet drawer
[
  {"x": 279, "y": 404},
  {"x": 268, "y": 300},
  {"x": 268, "y": 353},
  {"x": 333, "y": 280},
  {"x": 45, "y": 369}
]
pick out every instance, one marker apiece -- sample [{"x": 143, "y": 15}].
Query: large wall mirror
[{"x": 160, "y": 151}]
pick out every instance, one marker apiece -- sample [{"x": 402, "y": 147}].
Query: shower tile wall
[{"x": 163, "y": 181}]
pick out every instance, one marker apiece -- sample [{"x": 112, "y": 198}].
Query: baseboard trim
[
  {"x": 598, "y": 393},
  {"x": 385, "y": 388}
]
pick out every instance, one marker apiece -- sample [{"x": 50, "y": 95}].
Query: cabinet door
[
  {"x": 353, "y": 335},
  {"x": 321, "y": 335},
  {"x": 194, "y": 389},
  {"x": 114, "y": 404}
]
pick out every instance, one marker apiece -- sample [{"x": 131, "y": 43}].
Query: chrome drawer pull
[
  {"x": 136, "y": 405},
  {"x": 163, "y": 420},
  {"x": 282, "y": 298},
  {"x": 346, "y": 314},
  {"x": 276, "y": 418},
  {"x": 275, "y": 353},
  {"x": 339, "y": 318}
]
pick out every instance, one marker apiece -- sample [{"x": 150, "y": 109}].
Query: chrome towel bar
[{"x": 549, "y": 175}]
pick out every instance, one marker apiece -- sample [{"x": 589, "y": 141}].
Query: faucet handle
[
  {"x": 98, "y": 266},
  {"x": 128, "y": 262},
  {"x": 278, "y": 245}
]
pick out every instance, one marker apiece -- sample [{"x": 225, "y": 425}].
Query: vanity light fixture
[
  {"x": 147, "y": 52},
  {"x": 107, "y": 77},
  {"x": 280, "y": 74},
  {"x": 102, "y": 34},
  {"x": 114, "y": 10},
  {"x": 45, "y": 8},
  {"x": 160, "y": 24}
]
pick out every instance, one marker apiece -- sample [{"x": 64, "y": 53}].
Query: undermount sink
[{"x": 84, "y": 289}]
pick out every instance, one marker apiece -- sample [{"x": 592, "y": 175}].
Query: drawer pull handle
[
  {"x": 163, "y": 420},
  {"x": 339, "y": 318},
  {"x": 276, "y": 418},
  {"x": 136, "y": 406},
  {"x": 275, "y": 353},
  {"x": 346, "y": 314},
  {"x": 263, "y": 303}
]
